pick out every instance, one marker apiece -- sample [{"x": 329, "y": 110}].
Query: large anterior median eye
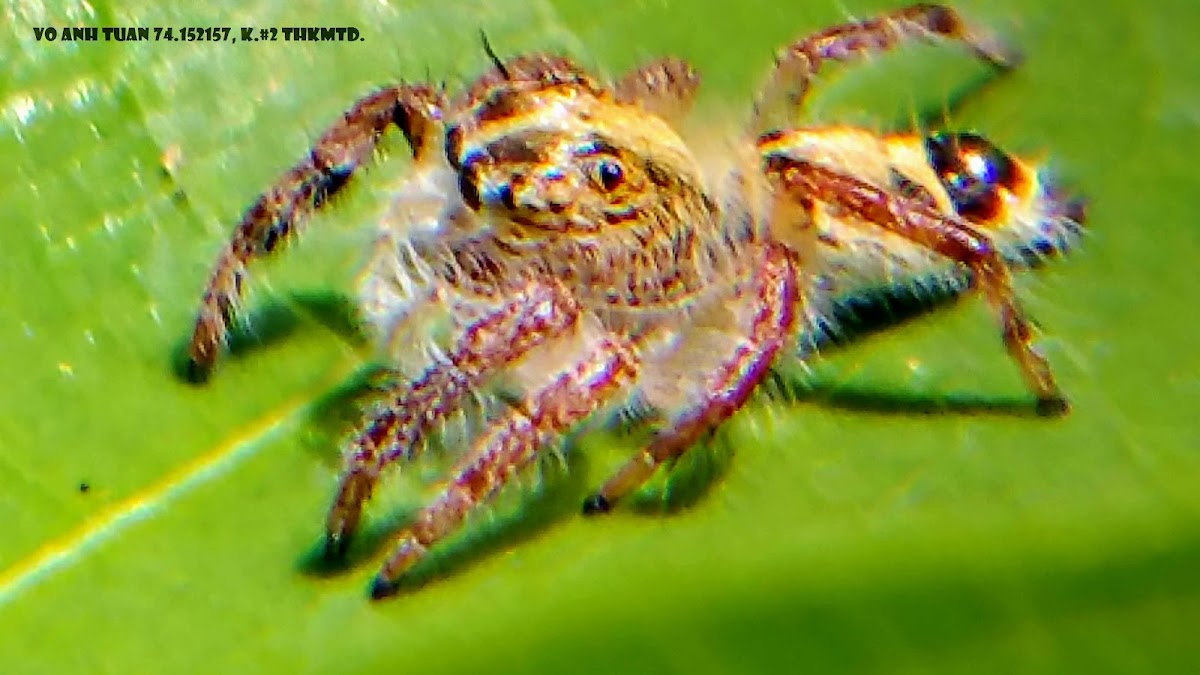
[
  {"x": 972, "y": 171},
  {"x": 610, "y": 174}
]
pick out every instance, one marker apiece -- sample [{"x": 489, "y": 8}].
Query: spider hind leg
[{"x": 946, "y": 235}]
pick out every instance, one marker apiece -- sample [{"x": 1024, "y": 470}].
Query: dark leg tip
[
  {"x": 190, "y": 370},
  {"x": 382, "y": 588},
  {"x": 197, "y": 373},
  {"x": 1053, "y": 406},
  {"x": 336, "y": 546},
  {"x": 596, "y": 504},
  {"x": 1076, "y": 210}
]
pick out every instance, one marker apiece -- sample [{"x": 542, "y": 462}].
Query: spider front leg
[
  {"x": 719, "y": 387},
  {"x": 947, "y": 235},
  {"x": 599, "y": 367},
  {"x": 277, "y": 213},
  {"x": 797, "y": 64},
  {"x": 538, "y": 312}
]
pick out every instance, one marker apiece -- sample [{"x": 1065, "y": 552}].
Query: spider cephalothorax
[
  {"x": 557, "y": 241},
  {"x": 583, "y": 183}
]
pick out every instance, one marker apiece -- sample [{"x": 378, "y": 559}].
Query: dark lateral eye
[
  {"x": 468, "y": 185},
  {"x": 972, "y": 170},
  {"x": 454, "y": 146},
  {"x": 611, "y": 175}
]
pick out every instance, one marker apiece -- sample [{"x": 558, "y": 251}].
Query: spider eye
[
  {"x": 611, "y": 175},
  {"x": 468, "y": 185},
  {"x": 972, "y": 170}
]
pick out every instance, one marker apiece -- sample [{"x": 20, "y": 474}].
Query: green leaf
[{"x": 906, "y": 514}]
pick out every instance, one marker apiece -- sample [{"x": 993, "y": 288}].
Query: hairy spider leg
[
  {"x": 601, "y": 371},
  {"x": 279, "y": 211},
  {"x": 538, "y": 311},
  {"x": 797, "y": 64},
  {"x": 664, "y": 87},
  {"x": 944, "y": 234},
  {"x": 725, "y": 386}
]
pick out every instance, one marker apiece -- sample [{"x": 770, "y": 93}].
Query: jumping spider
[{"x": 558, "y": 240}]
